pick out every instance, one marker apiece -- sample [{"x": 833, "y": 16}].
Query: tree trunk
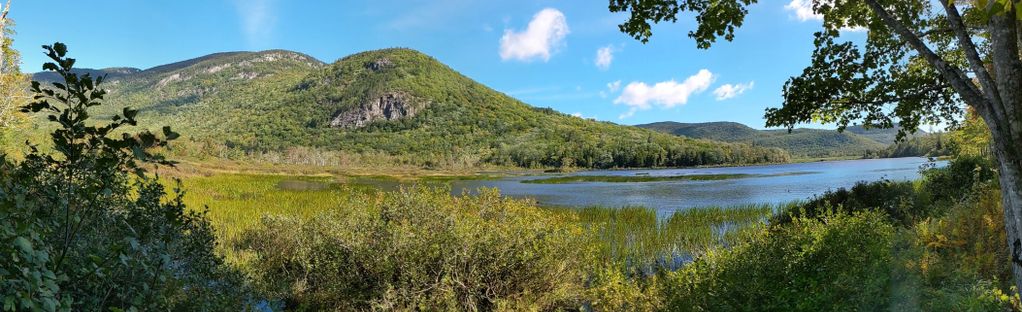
[
  {"x": 1010, "y": 167},
  {"x": 1006, "y": 130}
]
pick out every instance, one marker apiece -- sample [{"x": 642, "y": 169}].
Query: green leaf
[
  {"x": 60, "y": 48},
  {"x": 23, "y": 244}
]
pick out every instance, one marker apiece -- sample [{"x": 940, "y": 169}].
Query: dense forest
[
  {"x": 854, "y": 141},
  {"x": 401, "y": 107}
]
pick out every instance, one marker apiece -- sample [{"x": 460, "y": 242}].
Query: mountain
[
  {"x": 799, "y": 142},
  {"x": 887, "y": 136},
  {"x": 382, "y": 108},
  {"x": 720, "y": 131},
  {"x": 110, "y": 73}
]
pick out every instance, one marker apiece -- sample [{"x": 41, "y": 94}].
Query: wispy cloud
[
  {"x": 604, "y": 56},
  {"x": 541, "y": 38},
  {"x": 803, "y": 10},
  {"x": 580, "y": 115},
  {"x": 729, "y": 91},
  {"x": 611, "y": 88},
  {"x": 614, "y": 86},
  {"x": 641, "y": 96},
  {"x": 257, "y": 20}
]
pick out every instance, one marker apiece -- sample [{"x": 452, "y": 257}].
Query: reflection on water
[{"x": 774, "y": 186}]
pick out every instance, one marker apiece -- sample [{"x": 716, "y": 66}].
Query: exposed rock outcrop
[
  {"x": 380, "y": 64},
  {"x": 389, "y": 106}
]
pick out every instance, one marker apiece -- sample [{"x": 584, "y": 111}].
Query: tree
[
  {"x": 85, "y": 228},
  {"x": 918, "y": 64},
  {"x": 12, "y": 81}
]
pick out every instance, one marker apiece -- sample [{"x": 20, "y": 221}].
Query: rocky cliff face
[{"x": 389, "y": 106}]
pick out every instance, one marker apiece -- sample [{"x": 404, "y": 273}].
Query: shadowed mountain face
[
  {"x": 854, "y": 141},
  {"x": 394, "y": 103},
  {"x": 110, "y": 73}
]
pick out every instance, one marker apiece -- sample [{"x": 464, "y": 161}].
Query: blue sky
[{"x": 568, "y": 55}]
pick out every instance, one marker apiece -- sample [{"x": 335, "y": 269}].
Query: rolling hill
[
  {"x": 854, "y": 141},
  {"x": 384, "y": 107}
]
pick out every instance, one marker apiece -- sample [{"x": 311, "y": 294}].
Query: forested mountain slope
[
  {"x": 393, "y": 104},
  {"x": 801, "y": 142}
]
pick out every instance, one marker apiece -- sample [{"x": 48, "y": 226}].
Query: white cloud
[
  {"x": 667, "y": 94},
  {"x": 604, "y": 56},
  {"x": 545, "y": 33},
  {"x": 614, "y": 86},
  {"x": 728, "y": 91},
  {"x": 803, "y": 10},
  {"x": 611, "y": 87},
  {"x": 579, "y": 115},
  {"x": 257, "y": 20}
]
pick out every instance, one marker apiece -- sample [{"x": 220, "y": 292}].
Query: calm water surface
[{"x": 802, "y": 181}]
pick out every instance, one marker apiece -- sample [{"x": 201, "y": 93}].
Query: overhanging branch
[
  {"x": 971, "y": 53},
  {"x": 954, "y": 75}
]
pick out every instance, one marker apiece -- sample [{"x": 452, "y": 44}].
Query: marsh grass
[
  {"x": 237, "y": 202},
  {"x": 636, "y": 237},
  {"x": 629, "y": 236}
]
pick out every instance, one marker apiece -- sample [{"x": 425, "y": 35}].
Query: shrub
[
  {"x": 79, "y": 232},
  {"x": 959, "y": 258},
  {"x": 835, "y": 262},
  {"x": 959, "y": 178},
  {"x": 898, "y": 200},
  {"x": 610, "y": 289},
  {"x": 422, "y": 249}
]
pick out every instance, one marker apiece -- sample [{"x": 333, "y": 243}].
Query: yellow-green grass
[
  {"x": 236, "y": 202},
  {"x": 629, "y": 235}
]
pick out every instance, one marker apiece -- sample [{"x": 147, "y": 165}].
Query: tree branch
[
  {"x": 971, "y": 53},
  {"x": 3, "y": 30},
  {"x": 917, "y": 94},
  {"x": 958, "y": 80}
]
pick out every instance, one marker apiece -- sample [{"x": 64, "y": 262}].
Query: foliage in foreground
[
  {"x": 78, "y": 231},
  {"x": 838, "y": 262},
  {"x": 958, "y": 259},
  {"x": 897, "y": 200},
  {"x": 425, "y": 249}
]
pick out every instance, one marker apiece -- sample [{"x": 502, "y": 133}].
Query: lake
[{"x": 765, "y": 184}]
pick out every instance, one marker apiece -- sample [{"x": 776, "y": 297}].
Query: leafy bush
[
  {"x": 959, "y": 257},
  {"x": 610, "y": 289},
  {"x": 835, "y": 262},
  {"x": 898, "y": 200},
  {"x": 422, "y": 249},
  {"x": 79, "y": 232},
  {"x": 959, "y": 178}
]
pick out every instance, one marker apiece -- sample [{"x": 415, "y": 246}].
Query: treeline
[{"x": 929, "y": 145}]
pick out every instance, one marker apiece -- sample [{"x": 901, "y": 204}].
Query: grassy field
[{"x": 625, "y": 235}]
